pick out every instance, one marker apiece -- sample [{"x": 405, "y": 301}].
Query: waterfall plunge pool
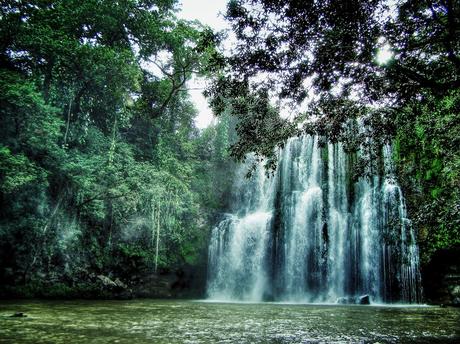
[{"x": 179, "y": 321}]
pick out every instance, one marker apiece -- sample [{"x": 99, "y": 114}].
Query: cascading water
[{"x": 310, "y": 234}]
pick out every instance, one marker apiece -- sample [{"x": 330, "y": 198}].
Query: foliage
[
  {"x": 317, "y": 62},
  {"x": 101, "y": 170},
  {"x": 428, "y": 158}
]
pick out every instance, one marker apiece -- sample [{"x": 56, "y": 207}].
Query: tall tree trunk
[
  {"x": 152, "y": 221},
  {"x": 48, "y": 73},
  {"x": 69, "y": 113},
  {"x": 158, "y": 238}
]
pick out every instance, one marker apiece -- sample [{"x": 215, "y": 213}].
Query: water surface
[{"x": 163, "y": 321}]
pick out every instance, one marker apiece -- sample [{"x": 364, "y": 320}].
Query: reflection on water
[{"x": 154, "y": 321}]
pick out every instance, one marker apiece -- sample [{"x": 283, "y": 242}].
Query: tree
[
  {"x": 99, "y": 153},
  {"x": 317, "y": 60}
]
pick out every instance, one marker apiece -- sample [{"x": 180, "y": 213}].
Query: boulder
[
  {"x": 364, "y": 300},
  {"x": 106, "y": 281},
  {"x": 454, "y": 290},
  {"x": 116, "y": 284},
  {"x": 456, "y": 302},
  {"x": 353, "y": 300},
  {"x": 114, "y": 289},
  {"x": 441, "y": 277},
  {"x": 155, "y": 286},
  {"x": 19, "y": 315},
  {"x": 120, "y": 284}
]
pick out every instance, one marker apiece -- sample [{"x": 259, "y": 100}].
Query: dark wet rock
[
  {"x": 187, "y": 282},
  {"x": 155, "y": 286},
  {"x": 113, "y": 289},
  {"x": 364, "y": 300},
  {"x": 106, "y": 281},
  {"x": 456, "y": 302},
  {"x": 455, "y": 290},
  {"x": 183, "y": 283},
  {"x": 441, "y": 277},
  {"x": 19, "y": 315},
  {"x": 120, "y": 284},
  {"x": 353, "y": 300}
]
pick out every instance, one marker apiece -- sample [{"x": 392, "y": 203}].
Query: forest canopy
[{"x": 317, "y": 61}]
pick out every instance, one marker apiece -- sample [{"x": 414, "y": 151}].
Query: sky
[{"x": 207, "y": 12}]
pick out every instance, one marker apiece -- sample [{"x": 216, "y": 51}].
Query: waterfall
[{"x": 310, "y": 234}]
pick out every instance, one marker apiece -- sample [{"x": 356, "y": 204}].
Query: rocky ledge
[{"x": 441, "y": 278}]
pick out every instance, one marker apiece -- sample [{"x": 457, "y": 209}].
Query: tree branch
[{"x": 99, "y": 198}]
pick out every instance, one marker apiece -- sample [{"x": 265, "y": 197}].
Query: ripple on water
[{"x": 147, "y": 321}]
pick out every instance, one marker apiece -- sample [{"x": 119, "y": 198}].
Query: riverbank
[
  {"x": 181, "y": 283},
  {"x": 440, "y": 279}
]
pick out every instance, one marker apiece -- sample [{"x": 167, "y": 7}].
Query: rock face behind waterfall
[
  {"x": 311, "y": 234},
  {"x": 441, "y": 277}
]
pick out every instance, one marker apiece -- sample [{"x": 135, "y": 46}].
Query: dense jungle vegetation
[
  {"x": 103, "y": 172},
  {"x": 102, "y": 169}
]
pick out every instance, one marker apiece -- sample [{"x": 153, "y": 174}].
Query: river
[{"x": 173, "y": 321}]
